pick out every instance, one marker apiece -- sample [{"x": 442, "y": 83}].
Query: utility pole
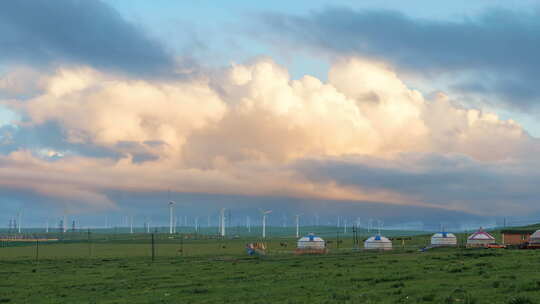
[
  {"x": 153, "y": 248},
  {"x": 89, "y": 243},
  {"x": 37, "y": 250}
]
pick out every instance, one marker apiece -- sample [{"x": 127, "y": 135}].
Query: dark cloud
[
  {"x": 37, "y": 209},
  {"x": 448, "y": 181},
  {"x": 41, "y": 32},
  {"x": 503, "y": 44}
]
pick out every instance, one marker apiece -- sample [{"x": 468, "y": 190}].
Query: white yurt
[
  {"x": 311, "y": 242},
  {"x": 378, "y": 242},
  {"x": 480, "y": 239},
  {"x": 535, "y": 237},
  {"x": 442, "y": 239}
]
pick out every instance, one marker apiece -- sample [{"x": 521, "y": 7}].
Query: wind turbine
[
  {"x": 147, "y": 224},
  {"x": 264, "y": 214},
  {"x": 222, "y": 222},
  {"x": 297, "y": 225},
  {"x": 248, "y": 224},
  {"x": 19, "y": 221},
  {"x": 171, "y": 216},
  {"x": 64, "y": 224}
]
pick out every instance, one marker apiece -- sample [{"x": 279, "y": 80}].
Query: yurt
[
  {"x": 480, "y": 239},
  {"x": 443, "y": 239},
  {"x": 378, "y": 242},
  {"x": 535, "y": 238},
  {"x": 311, "y": 244}
]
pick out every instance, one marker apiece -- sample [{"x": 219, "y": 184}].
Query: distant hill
[{"x": 528, "y": 228}]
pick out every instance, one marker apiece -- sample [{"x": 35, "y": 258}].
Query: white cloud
[{"x": 241, "y": 130}]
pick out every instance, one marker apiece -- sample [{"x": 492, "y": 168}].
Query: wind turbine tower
[
  {"x": 64, "y": 224},
  {"x": 297, "y": 225},
  {"x": 19, "y": 222},
  {"x": 222, "y": 222},
  {"x": 264, "y": 214},
  {"x": 171, "y": 216}
]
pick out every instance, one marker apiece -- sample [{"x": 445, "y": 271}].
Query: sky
[{"x": 416, "y": 113}]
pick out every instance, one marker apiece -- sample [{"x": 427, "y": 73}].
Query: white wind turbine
[
  {"x": 147, "y": 224},
  {"x": 264, "y": 214},
  {"x": 297, "y": 225},
  {"x": 19, "y": 222},
  {"x": 222, "y": 222},
  {"x": 171, "y": 216},
  {"x": 64, "y": 224}
]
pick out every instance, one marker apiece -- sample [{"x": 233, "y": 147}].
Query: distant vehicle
[{"x": 496, "y": 246}]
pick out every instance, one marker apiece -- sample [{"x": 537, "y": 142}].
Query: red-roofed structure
[{"x": 480, "y": 239}]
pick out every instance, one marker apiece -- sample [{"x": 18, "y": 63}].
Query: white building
[
  {"x": 480, "y": 239},
  {"x": 311, "y": 242},
  {"x": 442, "y": 239},
  {"x": 378, "y": 242},
  {"x": 535, "y": 237}
]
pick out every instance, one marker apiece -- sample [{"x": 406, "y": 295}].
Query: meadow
[{"x": 120, "y": 269}]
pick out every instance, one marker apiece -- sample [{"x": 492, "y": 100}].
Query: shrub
[
  {"x": 428, "y": 298},
  {"x": 520, "y": 300}
]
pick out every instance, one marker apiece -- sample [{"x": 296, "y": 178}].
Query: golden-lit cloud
[{"x": 241, "y": 130}]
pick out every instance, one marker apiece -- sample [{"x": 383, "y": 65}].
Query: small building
[
  {"x": 535, "y": 238},
  {"x": 378, "y": 242},
  {"x": 443, "y": 239},
  {"x": 515, "y": 237},
  {"x": 311, "y": 244},
  {"x": 480, "y": 239}
]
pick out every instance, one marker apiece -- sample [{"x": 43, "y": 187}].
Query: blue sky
[
  {"x": 221, "y": 27},
  {"x": 396, "y": 110}
]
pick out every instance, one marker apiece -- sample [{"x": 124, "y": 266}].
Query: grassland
[{"x": 120, "y": 270}]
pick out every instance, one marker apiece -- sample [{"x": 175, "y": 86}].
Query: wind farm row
[{"x": 223, "y": 224}]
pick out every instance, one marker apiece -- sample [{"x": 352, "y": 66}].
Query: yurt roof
[
  {"x": 536, "y": 234},
  {"x": 443, "y": 235},
  {"x": 377, "y": 238},
  {"x": 480, "y": 235},
  {"x": 311, "y": 238}
]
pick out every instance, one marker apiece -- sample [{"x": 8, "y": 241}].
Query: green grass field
[{"x": 120, "y": 270}]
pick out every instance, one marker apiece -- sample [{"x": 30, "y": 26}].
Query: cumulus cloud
[
  {"x": 492, "y": 54},
  {"x": 252, "y": 130}
]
